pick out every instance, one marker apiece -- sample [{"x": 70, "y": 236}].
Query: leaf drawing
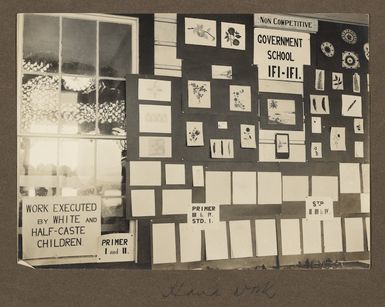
[
  {"x": 201, "y": 32},
  {"x": 232, "y": 36}
]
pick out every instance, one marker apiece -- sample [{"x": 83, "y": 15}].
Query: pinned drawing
[
  {"x": 349, "y": 36},
  {"x": 199, "y": 94},
  {"x": 319, "y": 79},
  {"x": 350, "y": 60},
  {"x": 319, "y": 104},
  {"x": 281, "y": 111},
  {"x": 248, "y": 136},
  {"x": 337, "y": 139},
  {"x": 356, "y": 83},
  {"x": 358, "y": 125},
  {"x": 194, "y": 134},
  {"x": 200, "y": 32},
  {"x": 221, "y": 72},
  {"x": 351, "y": 106},
  {"x": 327, "y": 49},
  {"x": 222, "y": 149},
  {"x": 316, "y": 126},
  {"x": 316, "y": 150},
  {"x": 240, "y": 98},
  {"x": 233, "y": 36},
  {"x": 337, "y": 81}
]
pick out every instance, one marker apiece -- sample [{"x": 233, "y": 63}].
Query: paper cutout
[
  {"x": 176, "y": 201},
  {"x": 194, "y": 134},
  {"x": 163, "y": 243},
  {"x": 316, "y": 150},
  {"x": 222, "y": 125},
  {"x": 366, "y": 50},
  {"x": 332, "y": 232},
  {"x": 295, "y": 188},
  {"x": 350, "y": 181},
  {"x": 266, "y": 237},
  {"x": 337, "y": 139},
  {"x": 200, "y": 32},
  {"x": 319, "y": 79},
  {"x": 316, "y": 125},
  {"x": 311, "y": 231},
  {"x": 151, "y": 89},
  {"x": 240, "y": 98},
  {"x": 175, "y": 174},
  {"x": 233, "y": 36},
  {"x": 222, "y": 149},
  {"x": 319, "y": 104},
  {"x": 218, "y": 188},
  {"x": 356, "y": 83},
  {"x": 365, "y": 168},
  {"x": 327, "y": 49},
  {"x": 358, "y": 149},
  {"x": 290, "y": 235},
  {"x": 269, "y": 188},
  {"x": 221, "y": 72},
  {"x": 337, "y": 81},
  {"x": 198, "y": 176},
  {"x": 365, "y": 202},
  {"x": 190, "y": 243},
  {"x": 248, "y": 136},
  {"x": 351, "y": 106},
  {"x": 154, "y": 118},
  {"x": 244, "y": 188},
  {"x": 358, "y": 125},
  {"x": 240, "y": 239},
  {"x": 349, "y": 36},
  {"x": 354, "y": 234},
  {"x": 367, "y": 222},
  {"x": 199, "y": 94},
  {"x": 216, "y": 242},
  {"x": 325, "y": 186},
  {"x": 145, "y": 173},
  {"x": 143, "y": 202},
  {"x": 350, "y": 60},
  {"x": 281, "y": 111},
  {"x": 155, "y": 147},
  {"x": 319, "y": 208}
]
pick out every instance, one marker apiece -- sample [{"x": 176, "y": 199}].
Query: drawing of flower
[
  {"x": 194, "y": 134},
  {"x": 198, "y": 90},
  {"x": 237, "y": 99},
  {"x": 232, "y": 36},
  {"x": 201, "y": 32}
]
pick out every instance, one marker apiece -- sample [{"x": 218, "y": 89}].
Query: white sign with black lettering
[
  {"x": 319, "y": 208},
  {"x": 280, "y": 55},
  {"x": 60, "y": 226},
  {"x": 203, "y": 216},
  {"x": 116, "y": 247}
]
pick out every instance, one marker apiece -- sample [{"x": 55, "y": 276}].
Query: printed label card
[
  {"x": 240, "y": 98},
  {"x": 248, "y": 136},
  {"x": 200, "y": 32},
  {"x": 337, "y": 139},
  {"x": 222, "y": 125},
  {"x": 221, "y": 72},
  {"x": 356, "y": 83},
  {"x": 150, "y": 89},
  {"x": 319, "y": 208},
  {"x": 199, "y": 94},
  {"x": 351, "y": 106},
  {"x": 337, "y": 81},
  {"x": 194, "y": 134},
  {"x": 319, "y": 104},
  {"x": 233, "y": 36},
  {"x": 222, "y": 149},
  {"x": 319, "y": 79},
  {"x": 316, "y": 150},
  {"x": 316, "y": 125},
  {"x": 358, "y": 125}
]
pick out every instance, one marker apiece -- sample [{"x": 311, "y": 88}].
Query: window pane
[
  {"x": 115, "y": 49},
  {"x": 112, "y": 207},
  {"x": 41, "y": 43},
  {"x": 76, "y": 167},
  {"x": 40, "y": 104},
  {"x": 112, "y": 107},
  {"x": 77, "y": 105},
  {"x": 79, "y": 46}
]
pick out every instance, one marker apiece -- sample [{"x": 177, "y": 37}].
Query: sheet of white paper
[
  {"x": 221, "y": 72},
  {"x": 358, "y": 149},
  {"x": 367, "y": 222},
  {"x": 199, "y": 94},
  {"x": 176, "y": 201},
  {"x": 290, "y": 234},
  {"x": 337, "y": 139},
  {"x": 222, "y": 125},
  {"x": 358, "y": 125},
  {"x": 266, "y": 237},
  {"x": 295, "y": 188},
  {"x": 190, "y": 243},
  {"x": 200, "y": 32},
  {"x": 198, "y": 176},
  {"x": 145, "y": 173},
  {"x": 354, "y": 234},
  {"x": 151, "y": 89},
  {"x": 155, "y": 147},
  {"x": 143, "y": 202},
  {"x": 154, "y": 118},
  {"x": 316, "y": 124},
  {"x": 175, "y": 174},
  {"x": 269, "y": 188},
  {"x": 356, "y": 83},
  {"x": 351, "y": 106},
  {"x": 332, "y": 231},
  {"x": 194, "y": 134},
  {"x": 337, "y": 81},
  {"x": 319, "y": 104},
  {"x": 163, "y": 243},
  {"x": 240, "y": 98},
  {"x": 216, "y": 242},
  {"x": 325, "y": 186},
  {"x": 218, "y": 188},
  {"x": 311, "y": 230},
  {"x": 350, "y": 181},
  {"x": 248, "y": 136},
  {"x": 244, "y": 188},
  {"x": 233, "y": 36},
  {"x": 316, "y": 150},
  {"x": 365, "y": 168},
  {"x": 365, "y": 202},
  {"x": 319, "y": 79},
  {"x": 221, "y": 149},
  {"x": 240, "y": 239}
]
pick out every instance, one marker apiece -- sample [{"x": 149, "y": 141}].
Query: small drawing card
[
  {"x": 337, "y": 81},
  {"x": 316, "y": 124},
  {"x": 194, "y": 134},
  {"x": 200, "y": 32},
  {"x": 358, "y": 125},
  {"x": 316, "y": 150},
  {"x": 233, "y": 36},
  {"x": 199, "y": 94},
  {"x": 222, "y": 149},
  {"x": 319, "y": 79},
  {"x": 221, "y": 72},
  {"x": 151, "y": 89},
  {"x": 337, "y": 139},
  {"x": 240, "y": 98},
  {"x": 351, "y": 106},
  {"x": 248, "y": 136},
  {"x": 319, "y": 104}
]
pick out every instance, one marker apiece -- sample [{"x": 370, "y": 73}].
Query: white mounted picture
[
  {"x": 319, "y": 79},
  {"x": 199, "y": 94},
  {"x": 248, "y": 136},
  {"x": 358, "y": 125},
  {"x": 316, "y": 124},
  {"x": 152, "y": 89},
  {"x": 319, "y": 104},
  {"x": 221, "y": 72},
  {"x": 194, "y": 134},
  {"x": 337, "y": 81},
  {"x": 154, "y": 118},
  {"x": 233, "y": 36},
  {"x": 351, "y": 106},
  {"x": 337, "y": 139},
  {"x": 281, "y": 111},
  {"x": 240, "y": 98},
  {"x": 200, "y": 32},
  {"x": 154, "y": 147},
  {"x": 222, "y": 149},
  {"x": 316, "y": 150}
]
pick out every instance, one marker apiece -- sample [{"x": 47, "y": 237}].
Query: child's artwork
[
  {"x": 337, "y": 139},
  {"x": 281, "y": 111},
  {"x": 233, "y": 36},
  {"x": 248, "y": 136},
  {"x": 350, "y": 60},
  {"x": 240, "y": 98},
  {"x": 351, "y": 106},
  {"x": 319, "y": 104},
  {"x": 282, "y": 150},
  {"x": 327, "y": 49},
  {"x": 221, "y": 72},
  {"x": 316, "y": 150},
  {"x": 194, "y": 134},
  {"x": 200, "y": 32},
  {"x": 337, "y": 81},
  {"x": 199, "y": 94},
  {"x": 154, "y": 118},
  {"x": 222, "y": 149},
  {"x": 151, "y": 89},
  {"x": 316, "y": 124},
  {"x": 154, "y": 147},
  {"x": 358, "y": 125},
  {"x": 319, "y": 79},
  {"x": 356, "y": 83}
]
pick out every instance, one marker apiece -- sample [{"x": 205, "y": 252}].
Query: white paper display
[
  {"x": 311, "y": 230},
  {"x": 358, "y": 125},
  {"x": 316, "y": 150},
  {"x": 358, "y": 149},
  {"x": 194, "y": 134},
  {"x": 221, "y": 72},
  {"x": 216, "y": 242},
  {"x": 354, "y": 234},
  {"x": 290, "y": 234},
  {"x": 337, "y": 139},
  {"x": 319, "y": 104},
  {"x": 176, "y": 201},
  {"x": 145, "y": 173},
  {"x": 190, "y": 243},
  {"x": 198, "y": 176},
  {"x": 244, "y": 188},
  {"x": 154, "y": 118},
  {"x": 365, "y": 168},
  {"x": 269, "y": 188},
  {"x": 319, "y": 79},
  {"x": 222, "y": 125},
  {"x": 151, "y": 89},
  {"x": 248, "y": 136},
  {"x": 218, "y": 188},
  {"x": 200, "y": 32},
  {"x": 350, "y": 181},
  {"x": 337, "y": 81},
  {"x": 240, "y": 98},
  {"x": 266, "y": 237},
  {"x": 116, "y": 247},
  {"x": 222, "y": 149},
  {"x": 240, "y": 239},
  {"x": 367, "y": 222},
  {"x": 175, "y": 174},
  {"x": 199, "y": 94},
  {"x": 325, "y": 186},
  {"x": 316, "y": 124},
  {"x": 143, "y": 202},
  {"x": 163, "y": 243},
  {"x": 233, "y": 36},
  {"x": 295, "y": 188},
  {"x": 332, "y": 235},
  {"x": 155, "y": 147},
  {"x": 351, "y": 106},
  {"x": 365, "y": 202}
]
